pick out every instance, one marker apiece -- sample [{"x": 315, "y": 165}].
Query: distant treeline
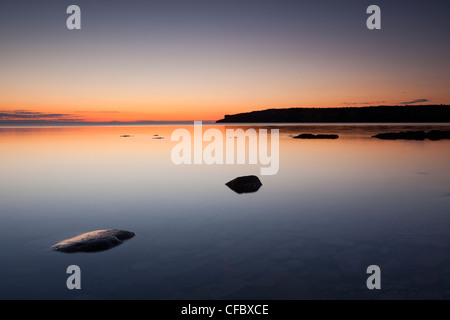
[{"x": 421, "y": 113}]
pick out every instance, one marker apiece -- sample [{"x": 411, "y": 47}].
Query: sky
[{"x": 167, "y": 60}]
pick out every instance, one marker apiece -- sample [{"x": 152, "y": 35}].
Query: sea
[{"x": 313, "y": 230}]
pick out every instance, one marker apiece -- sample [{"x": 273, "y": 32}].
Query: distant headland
[{"x": 374, "y": 114}]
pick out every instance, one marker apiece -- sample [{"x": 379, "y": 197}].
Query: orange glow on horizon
[{"x": 157, "y": 114}]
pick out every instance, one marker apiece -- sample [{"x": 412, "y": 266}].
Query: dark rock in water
[
  {"x": 406, "y": 135},
  {"x": 94, "y": 241},
  {"x": 158, "y": 138},
  {"x": 316, "y": 136},
  {"x": 245, "y": 184},
  {"x": 414, "y": 135},
  {"x": 125, "y": 136}
]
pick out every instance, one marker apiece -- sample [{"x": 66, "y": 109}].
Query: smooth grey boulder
[
  {"x": 98, "y": 240},
  {"x": 316, "y": 136},
  {"x": 245, "y": 184}
]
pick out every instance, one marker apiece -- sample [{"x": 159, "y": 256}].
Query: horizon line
[{"x": 71, "y": 122}]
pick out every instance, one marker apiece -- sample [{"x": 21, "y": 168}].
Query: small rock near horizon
[
  {"x": 433, "y": 135},
  {"x": 316, "y": 136}
]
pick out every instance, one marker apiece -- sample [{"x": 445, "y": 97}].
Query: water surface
[{"x": 310, "y": 232}]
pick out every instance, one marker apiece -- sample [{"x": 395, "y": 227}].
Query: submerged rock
[
  {"x": 94, "y": 241},
  {"x": 245, "y": 184},
  {"x": 316, "y": 136},
  {"x": 414, "y": 135}
]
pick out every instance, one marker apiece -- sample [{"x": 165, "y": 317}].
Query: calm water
[{"x": 334, "y": 208}]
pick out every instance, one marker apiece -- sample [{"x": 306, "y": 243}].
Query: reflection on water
[{"x": 334, "y": 208}]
